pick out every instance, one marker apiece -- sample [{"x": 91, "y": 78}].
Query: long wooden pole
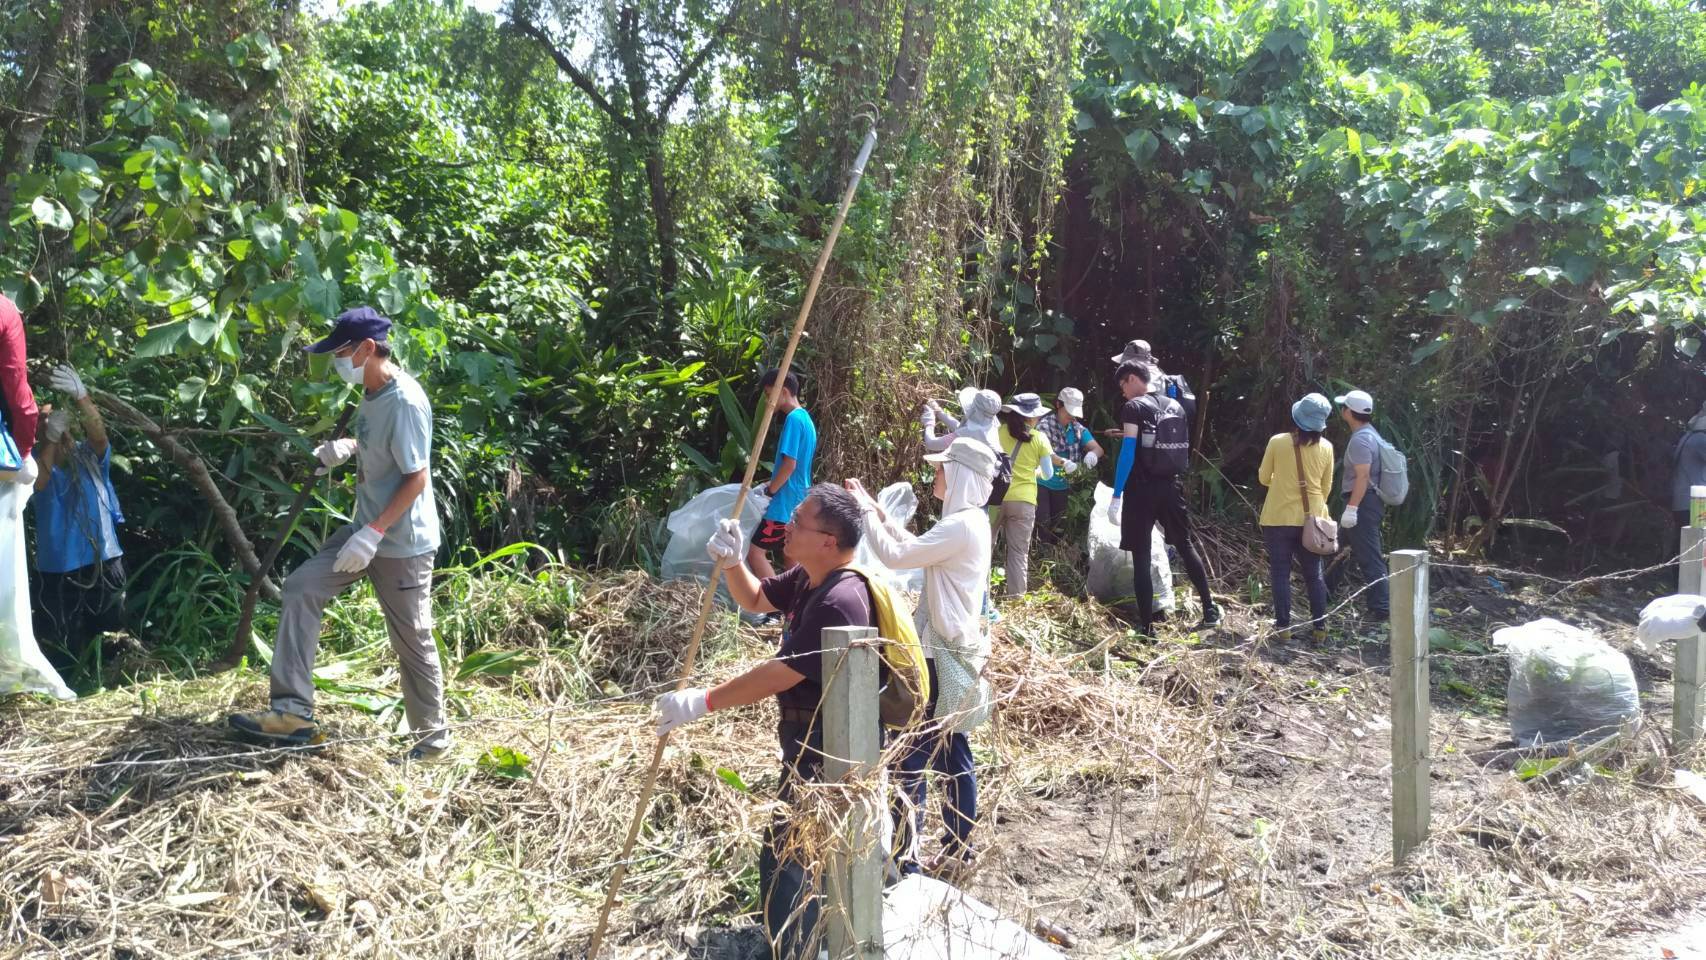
[{"x": 687, "y": 664}]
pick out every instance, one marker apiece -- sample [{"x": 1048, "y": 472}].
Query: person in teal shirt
[
  {"x": 1072, "y": 445},
  {"x": 790, "y": 480}
]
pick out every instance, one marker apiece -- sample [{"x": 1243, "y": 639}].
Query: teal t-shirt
[
  {"x": 1068, "y": 443},
  {"x": 393, "y": 435},
  {"x": 799, "y": 440}
]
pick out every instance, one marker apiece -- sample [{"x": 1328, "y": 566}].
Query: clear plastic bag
[
  {"x": 1566, "y": 683},
  {"x": 23, "y": 669},
  {"x": 692, "y": 525},
  {"x": 1110, "y": 573},
  {"x": 899, "y": 502},
  {"x": 1676, "y": 617}
]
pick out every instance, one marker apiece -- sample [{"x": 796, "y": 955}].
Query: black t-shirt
[
  {"x": 1141, "y": 412},
  {"x": 847, "y": 603}
]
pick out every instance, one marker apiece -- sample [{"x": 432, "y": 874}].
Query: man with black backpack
[
  {"x": 1171, "y": 385},
  {"x": 1359, "y": 525},
  {"x": 1155, "y": 450}
]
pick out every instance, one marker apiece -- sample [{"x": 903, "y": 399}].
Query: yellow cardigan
[{"x": 1282, "y": 508}]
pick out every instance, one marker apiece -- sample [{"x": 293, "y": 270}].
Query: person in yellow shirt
[
  {"x": 1032, "y": 457},
  {"x": 1285, "y": 508}
]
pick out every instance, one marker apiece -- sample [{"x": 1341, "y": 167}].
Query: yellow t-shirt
[
  {"x": 1278, "y": 473},
  {"x": 1030, "y": 456}
]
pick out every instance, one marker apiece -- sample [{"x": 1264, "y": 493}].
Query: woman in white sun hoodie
[{"x": 954, "y": 555}]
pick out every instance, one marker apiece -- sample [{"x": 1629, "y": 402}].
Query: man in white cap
[
  {"x": 1172, "y": 385},
  {"x": 1072, "y": 445},
  {"x": 1360, "y": 525}
]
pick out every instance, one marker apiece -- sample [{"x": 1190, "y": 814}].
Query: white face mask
[{"x": 348, "y": 370}]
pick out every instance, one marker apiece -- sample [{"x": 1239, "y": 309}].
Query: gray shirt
[
  {"x": 1690, "y": 469},
  {"x": 393, "y": 432},
  {"x": 1363, "y": 447}
]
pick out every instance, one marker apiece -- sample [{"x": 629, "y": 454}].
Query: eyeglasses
[{"x": 795, "y": 524}]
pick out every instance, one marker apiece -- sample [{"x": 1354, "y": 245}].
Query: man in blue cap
[{"x": 392, "y": 542}]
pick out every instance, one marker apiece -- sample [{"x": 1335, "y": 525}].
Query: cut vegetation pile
[{"x": 1214, "y": 796}]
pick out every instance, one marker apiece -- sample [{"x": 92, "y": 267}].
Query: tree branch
[
  {"x": 223, "y": 515},
  {"x": 682, "y": 79},
  {"x": 574, "y": 73}
]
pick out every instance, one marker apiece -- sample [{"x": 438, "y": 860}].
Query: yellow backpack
[{"x": 905, "y": 693}]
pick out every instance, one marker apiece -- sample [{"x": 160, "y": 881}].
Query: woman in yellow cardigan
[{"x": 1284, "y": 510}]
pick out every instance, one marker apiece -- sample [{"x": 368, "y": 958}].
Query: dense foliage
[{"x": 594, "y": 222}]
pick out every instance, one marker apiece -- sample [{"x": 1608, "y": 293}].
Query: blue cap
[
  {"x": 1310, "y": 413},
  {"x": 354, "y": 325}
]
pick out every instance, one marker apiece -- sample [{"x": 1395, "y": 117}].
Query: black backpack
[
  {"x": 1175, "y": 387},
  {"x": 1164, "y": 444},
  {"x": 1003, "y": 478}
]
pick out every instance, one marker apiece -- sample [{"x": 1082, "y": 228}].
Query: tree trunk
[
  {"x": 41, "y": 95},
  {"x": 224, "y": 517}
]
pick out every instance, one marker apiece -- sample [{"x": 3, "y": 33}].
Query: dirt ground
[{"x": 1222, "y": 795}]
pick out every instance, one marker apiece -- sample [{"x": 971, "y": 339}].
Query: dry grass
[{"x": 1136, "y": 795}]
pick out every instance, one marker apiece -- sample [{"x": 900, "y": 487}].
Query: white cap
[
  {"x": 1357, "y": 400},
  {"x": 1072, "y": 399}
]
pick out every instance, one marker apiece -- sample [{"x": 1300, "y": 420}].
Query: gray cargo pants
[{"x": 404, "y": 588}]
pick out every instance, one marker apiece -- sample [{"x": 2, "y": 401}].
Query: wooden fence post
[
  {"x": 1688, "y": 676},
  {"x": 1410, "y": 763},
  {"x": 852, "y": 745}
]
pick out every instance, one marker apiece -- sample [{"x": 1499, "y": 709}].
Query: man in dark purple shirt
[{"x": 816, "y": 592}]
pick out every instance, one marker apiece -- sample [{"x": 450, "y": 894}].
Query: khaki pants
[
  {"x": 1015, "y": 523},
  {"x": 404, "y": 588}
]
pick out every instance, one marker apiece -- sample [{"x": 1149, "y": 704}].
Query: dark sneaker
[
  {"x": 1211, "y": 618},
  {"x": 275, "y": 726},
  {"x": 426, "y": 752}
]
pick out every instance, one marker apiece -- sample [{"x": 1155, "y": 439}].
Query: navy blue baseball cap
[{"x": 354, "y": 325}]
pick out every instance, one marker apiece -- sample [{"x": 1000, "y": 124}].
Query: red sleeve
[{"x": 15, "y": 379}]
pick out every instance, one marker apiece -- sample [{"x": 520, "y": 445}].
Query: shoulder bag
[{"x": 1320, "y": 535}]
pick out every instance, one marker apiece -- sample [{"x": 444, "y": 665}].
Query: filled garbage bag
[
  {"x": 899, "y": 502},
  {"x": 1676, "y": 617},
  {"x": 1110, "y": 574},
  {"x": 1566, "y": 683},
  {"x": 23, "y": 668},
  {"x": 692, "y": 525}
]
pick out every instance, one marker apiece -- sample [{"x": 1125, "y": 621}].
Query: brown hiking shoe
[{"x": 275, "y": 726}]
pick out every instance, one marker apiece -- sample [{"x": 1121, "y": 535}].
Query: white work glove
[
  {"x": 725, "y": 545},
  {"x": 65, "y": 379},
  {"x": 1116, "y": 511},
  {"x": 358, "y": 552},
  {"x": 1349, "y": 519},
  {"x": 927, "y": 419},
  {"x": 681, "y": 707},
  {"x": 1069, "y": 467},
  {"x": 334, "y": 452},
  {"x": 58, "y": 422},
  {"x": 1090, "y": 459}
]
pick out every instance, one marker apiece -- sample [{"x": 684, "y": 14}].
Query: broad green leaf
[
  {"x": 161, "y": 340},
  {"x": 321, "y": 296},
  {"x": 51, "y": 213},
  {"x": 239, "y": 250},
  {"x": 733, "y": 779},
  {"x": 1141, "y": 145}
]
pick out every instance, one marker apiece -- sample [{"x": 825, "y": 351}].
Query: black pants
[
  {"x": 788, "y": 890},
  {"x": 1146, "y": 503},
  {"x": 1051, "y": 513},
  {"x": 71, "y": 608}
]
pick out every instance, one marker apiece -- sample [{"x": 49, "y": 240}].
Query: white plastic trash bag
[
  {"x": 899, "y": 502},
  {"x": 23, "y": 669},
  {"x": 1110, "y": 575},
  {"x": 692, "y": 525},
  {"x": 1676, "y": 617},
  {"x": 1565, "y": 683}
]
